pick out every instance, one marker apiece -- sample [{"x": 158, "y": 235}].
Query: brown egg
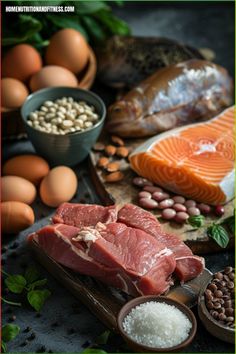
[
  {"x": 13, "y": 93},
  {"x": 52, "y": 75},
  {"x": 17, "y": 189},
  {"x": 21, "y": 62},
  {"x": 58, "y": 186},
  {"x": 68, "y": 48},
  {"x": 16, "y": 216},
  {"x": 31, "y": 167}
]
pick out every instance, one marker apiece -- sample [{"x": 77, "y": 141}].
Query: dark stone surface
[{"x": 65, "y": 325}]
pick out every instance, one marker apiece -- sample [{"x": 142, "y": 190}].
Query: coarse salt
[{"x": 157, "y": 325}]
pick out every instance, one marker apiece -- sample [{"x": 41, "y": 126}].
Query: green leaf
[
  {"x": 37, "y": 298},
  {"x": 67, "y": 22},
  {"x": 230, "y": 223},
  {"x": 93, "y": 351},
  {"x": 31, "y": 274},
  {"x": 219, "y": 234},
  {"x": 103, "y": 338},
  {"x": 196, "y": 220},
  {"x": 113, "y": 23},
  {"x": 4, "y": 347},
  {"x": 27, "y": 26},
  {"x": 15, "y": 283},
  {"x": 90, "y": 7},
  {"x": 94, "y": 28},
  {"x": 37, "y": 283},
  {"x": 9, "y": 332}
]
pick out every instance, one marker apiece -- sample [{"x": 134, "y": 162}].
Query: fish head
[{"x": 123, "y": 113}]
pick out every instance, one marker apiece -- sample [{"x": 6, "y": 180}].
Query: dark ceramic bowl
[
  {"x": 68, "y": 149},
  {"x": 143, "y": 348},
  {"x": 215, "y": 328}
]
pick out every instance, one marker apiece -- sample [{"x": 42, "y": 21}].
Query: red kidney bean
[
  {"x": 179, "y": 207},
  {"x": 181, "y": 217},
  {"x": 152, "y": 189},
  {"x": 141, "y": 182},
  {"x": 145, "y": 194},
  {"x": 190, "y": 203},
  {"x": 148, "y": 203},
  {"x": 193, "y": 211},
  {"x": 159, "y": 196},
  {"x": 166, "y": 203},
  {"x": 168, "y": 214},
  {"x": 204, "y": 208},
  {"x": 219, "y": 210},
  {"x": 178, "y": 199}
]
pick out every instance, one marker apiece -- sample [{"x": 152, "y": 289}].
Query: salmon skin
[
  {"x": 125, "y": 61},
  {"x": 179, "y": 94},
  {"x": 196, "y": 161}
]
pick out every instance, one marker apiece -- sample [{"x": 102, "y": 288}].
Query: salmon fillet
[{"x": 196, "y": 161}]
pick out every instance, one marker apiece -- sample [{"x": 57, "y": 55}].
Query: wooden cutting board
[
  {"x": 125, "y": 192},
  {"x": 105, "y": 302}
]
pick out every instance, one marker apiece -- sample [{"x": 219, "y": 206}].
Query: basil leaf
[
  {"x": 90, "y": 7},
  {"x": 196, "y": 220},
  {"x": 219, "y": 234},
  {"x": 94, "y": 28},
  {"x": 103, "y": 338},
  {"x": 37, "y": 298},
  {"x": 31, "y": 274},
  {"x": 37, "y": 283},
  {"x": 15, "y": 283},
  {"x": 9, "y": 332},
  {"x": 112, "y": 23}
]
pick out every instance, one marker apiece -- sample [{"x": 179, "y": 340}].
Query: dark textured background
[{"x": 64, "y": 324}]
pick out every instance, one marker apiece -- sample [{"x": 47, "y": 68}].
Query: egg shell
[
  {"x": 68, "y": 48},
  {"x": 58, "y": 186},
  {"x": 51, "y": 76},
  {"x": 21, "y": 62},
  {"x": 31, "y": 167},
  {"x": 13, "y": 93},
  {"x": 16, "y": 216},
  {"x": 17, "y": 189}
]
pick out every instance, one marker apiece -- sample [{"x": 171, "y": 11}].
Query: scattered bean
[
  {"x": 152, "y": 189},
  {"x": 168, "y": 214},
  {"x": 181, "y": 217},
  {"x": 204, "y": 208},
  {"x": 148, "y": 203},
  {"x": 190, "y": 203},
  {"x": 164, "y": 204},
  {"x": 179, "y": 207},
  {"x": 159, "y": 195},
  {"x": 219, "y": 210},
  {"x": 145, "y": 194},
  {"x": 192, "y": 211},
  {"x": 178, "y": 199},
  {"x": 141, "y": 182}
]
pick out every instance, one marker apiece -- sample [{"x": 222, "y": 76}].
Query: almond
[
  {"x": 112, "y": 167},
  {"x": 122, "y": 151},
  {"x": 103, "y": 162},
  {"x": 110, "y": 150},
  {"x": 117, "y": 141},
  {"x": 114, "y": 177},
  {"x": 99, "y": 147}
]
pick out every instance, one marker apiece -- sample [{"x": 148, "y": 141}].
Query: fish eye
[{"x": 116, "y": 109}]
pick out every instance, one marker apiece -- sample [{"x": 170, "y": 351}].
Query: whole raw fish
[
  {"x": 180, "y": 94},
  {"x": 125, "y": 61}
]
